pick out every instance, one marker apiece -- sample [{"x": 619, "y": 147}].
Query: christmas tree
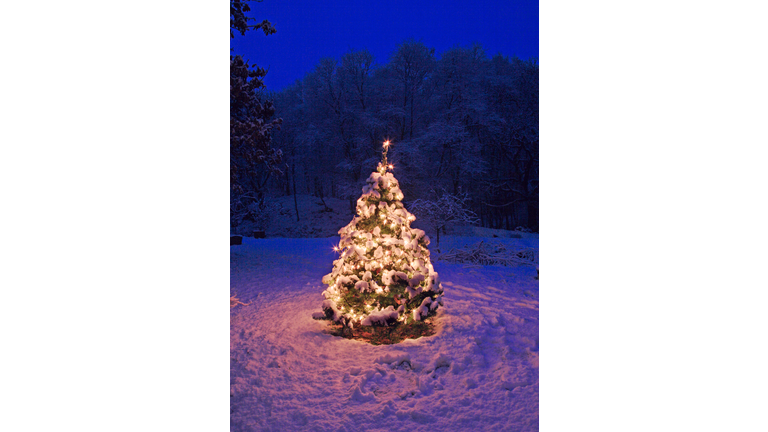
[{"x": 383, "y": 276}]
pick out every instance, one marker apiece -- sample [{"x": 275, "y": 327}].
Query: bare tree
[
  {"x": 410, "y": 66},
  {"x": 447, "y": 210},
  {"x": 462, "y": 121}
]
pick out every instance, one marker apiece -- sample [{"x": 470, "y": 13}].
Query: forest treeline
[{"x": 460, "y": 122}]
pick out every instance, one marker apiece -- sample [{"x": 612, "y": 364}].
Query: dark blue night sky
[{"x": 309, "y": 30}]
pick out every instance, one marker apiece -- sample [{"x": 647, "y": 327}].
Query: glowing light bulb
[
  {"x": 386, "y": 143},
  {"x": 391, "y": 166}
]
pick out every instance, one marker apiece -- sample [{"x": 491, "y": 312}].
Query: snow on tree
[{"x": 383, "y": 275}]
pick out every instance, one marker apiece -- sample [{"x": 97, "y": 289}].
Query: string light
[{"x": 361, "y": 249}]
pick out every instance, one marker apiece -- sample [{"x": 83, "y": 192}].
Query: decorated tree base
[
  {"x": 383, "y": 277},
  {"x": 389, "y": 335}
]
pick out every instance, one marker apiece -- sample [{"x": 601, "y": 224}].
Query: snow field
[{"x": 479, "y": 372}]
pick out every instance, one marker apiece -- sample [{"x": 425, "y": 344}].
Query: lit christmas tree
[{"x": 383, "y": 276}]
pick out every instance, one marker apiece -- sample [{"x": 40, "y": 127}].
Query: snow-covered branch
[
  {"x": 234, "y": 301},
  {"x": 492, "y": 253}
]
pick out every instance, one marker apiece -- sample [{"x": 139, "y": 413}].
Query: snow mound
[
  {"x": 393, "y": 357},
  {"x": 359, "y": 396}
]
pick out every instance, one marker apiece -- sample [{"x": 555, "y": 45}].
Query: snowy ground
[{"x": 478, "y": 373}]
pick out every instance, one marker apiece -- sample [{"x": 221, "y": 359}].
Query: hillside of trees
[{"x": 460, "y": 123}]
